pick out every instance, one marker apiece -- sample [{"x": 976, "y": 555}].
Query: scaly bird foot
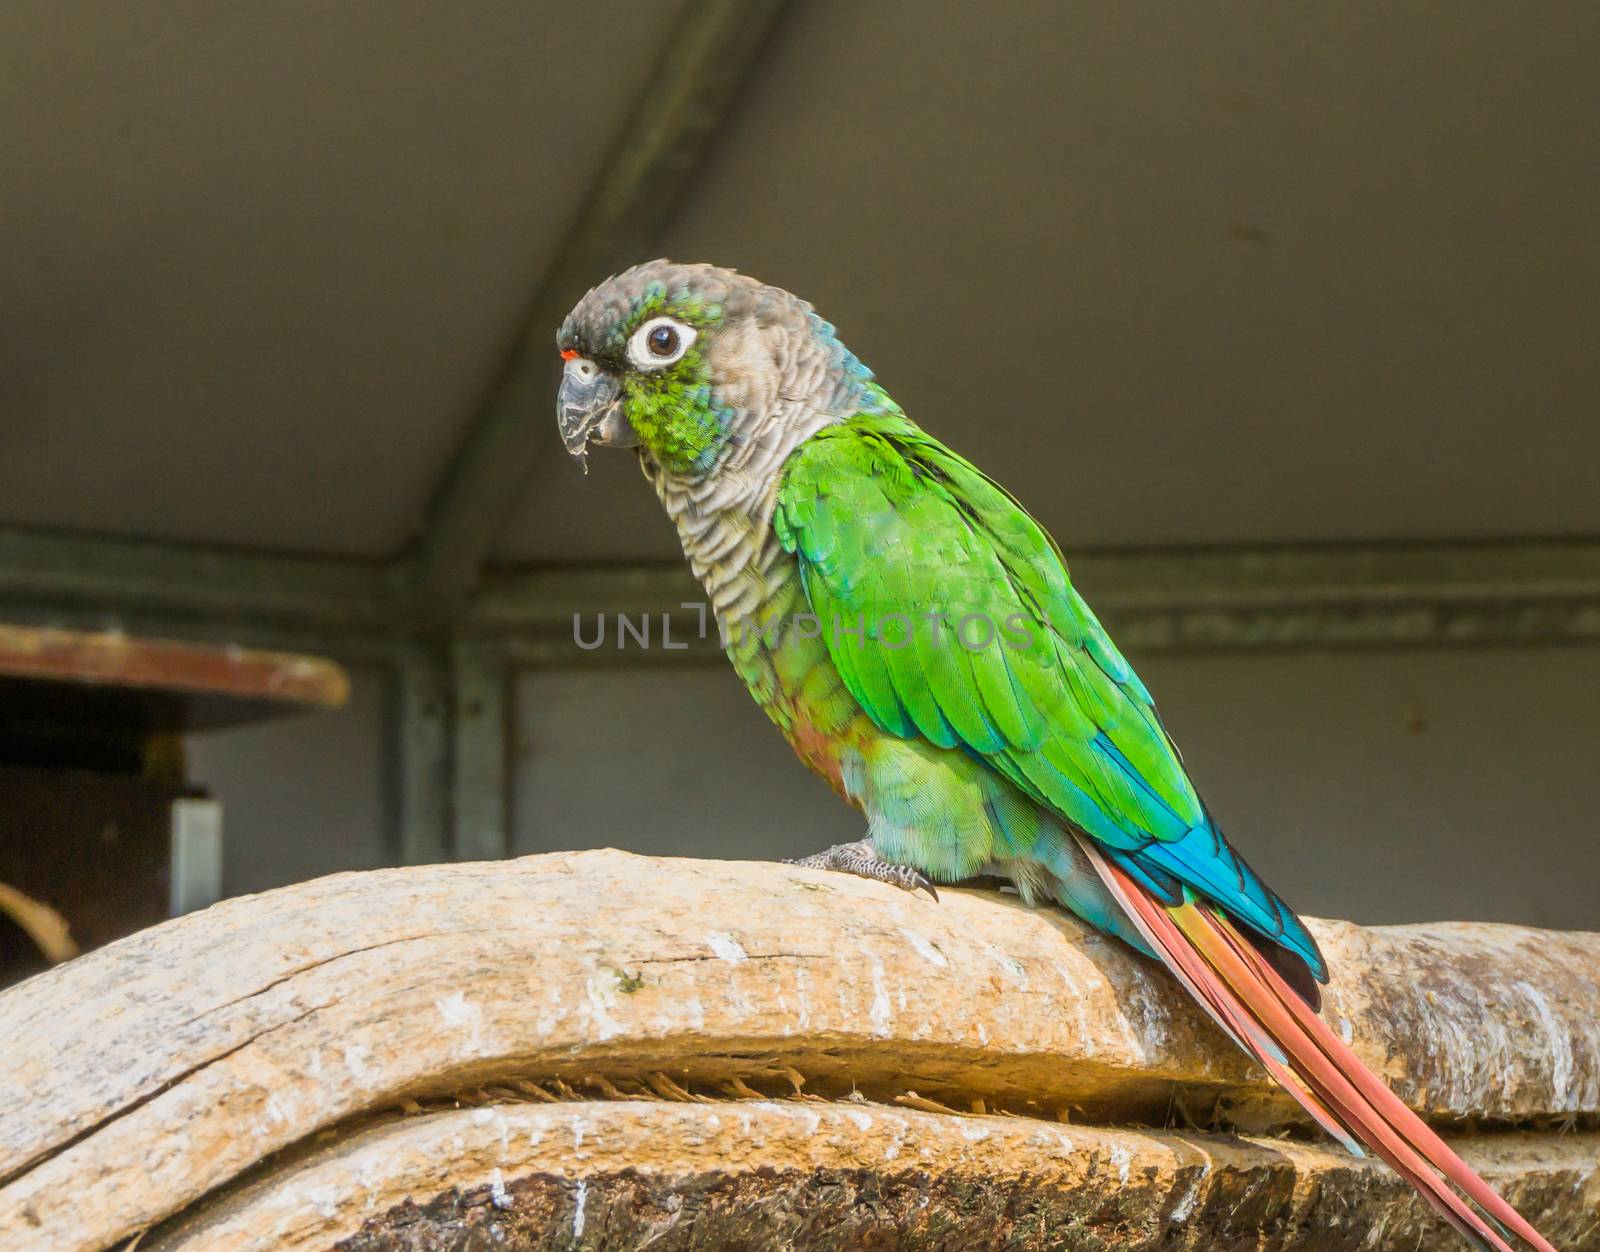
[{"x": 862, "y": 860}]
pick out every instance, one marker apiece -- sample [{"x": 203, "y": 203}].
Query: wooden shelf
[{"x": 209, "y": 684}]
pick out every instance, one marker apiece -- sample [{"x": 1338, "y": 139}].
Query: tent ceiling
[
  {"x": 1175, "y": 273},
  {"x": 258, "y": 263}
]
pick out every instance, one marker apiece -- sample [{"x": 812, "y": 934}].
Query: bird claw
[{"x": 862, "y": 860}]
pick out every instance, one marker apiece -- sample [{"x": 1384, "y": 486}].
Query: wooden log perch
[{"x": 597, "y": 1050}]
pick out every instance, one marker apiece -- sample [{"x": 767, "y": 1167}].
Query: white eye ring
[{"x": 645, "y": 357}]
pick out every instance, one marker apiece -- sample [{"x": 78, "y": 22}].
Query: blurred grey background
[{"x": 1283, "y": 317}]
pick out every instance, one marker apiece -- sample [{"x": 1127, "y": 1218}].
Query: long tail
[{"x": 1253, "y": 1003}]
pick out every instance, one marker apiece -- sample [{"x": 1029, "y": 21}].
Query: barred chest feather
[{"x": 753, "y": 586}]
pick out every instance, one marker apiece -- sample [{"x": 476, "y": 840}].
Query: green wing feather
[{"x": 950, "y": 616}]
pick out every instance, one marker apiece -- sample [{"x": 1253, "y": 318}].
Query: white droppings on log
[
  {"x": 880, "y": 1014},
  {"x": 357, "y": 1059},
  {"x": 726, "y": 947},
  {"x": 1561, "y": 1066},
  {"x": 599, "y": 999},
  {"x": 498, "y": 1195},
  {"x": 923, "y": 948},
  {"x": 464, "y": 1017}
]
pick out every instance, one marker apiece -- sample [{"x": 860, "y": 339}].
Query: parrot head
[{"x": 685, "y": 363}]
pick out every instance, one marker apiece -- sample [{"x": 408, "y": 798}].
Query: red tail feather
[{"x": 1258, "y": 1009}]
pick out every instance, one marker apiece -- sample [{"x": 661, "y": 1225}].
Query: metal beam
[
  {"x": 479, "y": 775},
  {"x": 1204, "y": 597},
  {"x": 713, "y": 47},
  {"x": 99, "y": 574},
  {"x": 545, "y": 601},
  {"x": 1434, "y": 594},
  {"x": 420, "y": 756},
  {"x": 1343, "y": 595}
]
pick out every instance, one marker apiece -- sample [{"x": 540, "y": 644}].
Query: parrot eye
[{"x": 660, "y": 342}]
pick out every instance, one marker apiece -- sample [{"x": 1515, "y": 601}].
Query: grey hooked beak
[{"x": 589, "y": 409}]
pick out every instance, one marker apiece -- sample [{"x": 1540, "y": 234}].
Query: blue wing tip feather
[{"x": 1205, "y": 862}]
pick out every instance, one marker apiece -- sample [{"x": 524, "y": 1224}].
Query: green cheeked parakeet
[{"x": 915, "y": 635}]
